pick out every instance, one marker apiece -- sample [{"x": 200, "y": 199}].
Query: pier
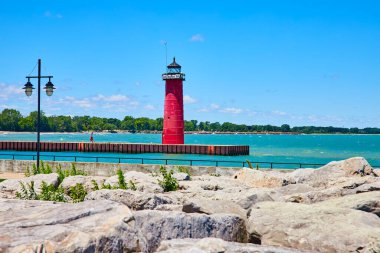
[{"x": 128, "y": 148}]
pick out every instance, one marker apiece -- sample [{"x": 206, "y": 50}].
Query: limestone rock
[
  {"x": 352, "y": 166},
  {"x": 207, "y": 206},
  {"x": 86, "y": 181},
  {"x": 169, "y": 207},
  {"x": 212, "y": 245},
  {"x": 8, "y": 188},
  {"x": 180, "y": 176},
  {"x": 150, "y": 227},
  {"x": 44, "y": 226},
  {"x": 133, "y": 199},
  {"x": 367, "y": 202},
  {"x": 258, "y": 178},
  {"x": 311, "y": 227}
]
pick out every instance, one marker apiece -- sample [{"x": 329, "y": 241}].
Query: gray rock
[
  {"x": 150, "y": 227},
  {"x": 367, "y": 202},
  {"x": 44, "y": 226},
  {"x": 180, "y": 176},
  {"x": 311, "y": 227},
  {"x": 86, "y": 181},
  {"x": 169, "y": 207},
  {"x": 258, "y": 178},
  {"x": 133, "y": 199},
  {"x": 8, "y": 188},
  {"x": 213, "y": 245},
  {"x": 207, "y": 206}
]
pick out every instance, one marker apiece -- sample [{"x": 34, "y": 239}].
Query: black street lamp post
[{"x": 49, "y": 87}]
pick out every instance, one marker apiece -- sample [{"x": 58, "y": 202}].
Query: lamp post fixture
[{"x": 49, "y": 87}]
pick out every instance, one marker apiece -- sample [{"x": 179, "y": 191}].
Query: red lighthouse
[{"x": 173, "y": 131}]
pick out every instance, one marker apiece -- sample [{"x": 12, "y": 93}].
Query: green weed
[{"x": 168, "y": 182}]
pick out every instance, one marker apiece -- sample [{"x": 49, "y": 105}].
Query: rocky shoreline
[{"x": 335, "y": 208}]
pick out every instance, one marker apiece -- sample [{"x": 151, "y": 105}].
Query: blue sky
[{"x": 253, "y": 62}]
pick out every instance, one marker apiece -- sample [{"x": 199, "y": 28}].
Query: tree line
[{"x": 12, "y": 120}]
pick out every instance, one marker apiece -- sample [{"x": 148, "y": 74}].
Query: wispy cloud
[
  {"x": 197, "y": 38},
  {"x": 232, "y": 110},
  {"x": 189, "y": 100},
  {"x": 49, "y": 14},
  {"x": 150, "y": 107},
  {"x": 112, "y": 98},
  {"x": 7, "y": 91}
]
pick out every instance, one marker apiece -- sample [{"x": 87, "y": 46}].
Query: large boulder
[
  {"x": 207, "y": 206},
  {"x": 44, "y": 226},
  {"x": 367, "y": 202},
  {"x": 212, "y": 245},
  {"x": 149, "y": 227},
  {"x": 312, "y": 227},
  {"x": 8, "y": 188},
  {"x": 258, "y": 178},
  {"x": 133, "y": 199}
]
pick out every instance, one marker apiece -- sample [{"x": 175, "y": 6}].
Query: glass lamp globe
[
  {"x": 28, "y": 88},
  {"x": 49, "y": 87}
]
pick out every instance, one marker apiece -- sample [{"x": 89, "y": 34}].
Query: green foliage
[
  {"x": 51, "y": 193},
  {"x": 12, "y": 120},
  {"x": 132, "y": 185},
  {"x": 121, "y": 179},
  {"x": 168, "y": 182},
  {"x": 2, "y": 179},
  {"x": 74, "y": 171},
  {"x": 77, "y": 193},
  {"x": 43, "y": 169},
  {"x": 106, "y": 186},
  {"x": 48, "y": 192},
  {"x": 27, "y": 191},
  {"x": 249, "y": 164},
  {"x": 95, "y": 185}
]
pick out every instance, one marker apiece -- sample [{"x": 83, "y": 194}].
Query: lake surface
[{"x": 319, "y": 149}]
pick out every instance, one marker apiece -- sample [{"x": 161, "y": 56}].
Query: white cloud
[
  {"x": 49, "y": 14},
  {"x": 232, "y": 110},
  {"x": 150, "y": 107},
  {"x": 189, "y": 100},
  {"x": 112, "y": 98},
  {"x": 215, "y": 106},
  {"x": 203, "y": 110},
  {"x": 279, "y": 113},
  {"x": 197, "y": 38},
  {"x": 9, "y": 90}
]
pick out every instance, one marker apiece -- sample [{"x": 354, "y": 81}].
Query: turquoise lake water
[{"x": 319, "y": 149}]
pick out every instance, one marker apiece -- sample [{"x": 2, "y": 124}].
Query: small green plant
[
  {"x": 215, "y": 174},
  {"x": 2, "y": 179},
  {"x": 257, "y": 166},
  {"x": 74, "y": 171},
  {"x": 95, "y": 185},
  {"x": 27, "y": 191},
  {"x": 168, "y": 182},
  {"x": 106, "y": 186},
  {"x": 51, "y": 193},
  {"x": 132, "y": 185},
  {"x": 77, "y": 193},
  {"x": 249, "y": 164},
  {"x": 121, "y": 179},
  {"x": 183, "y": 169}
]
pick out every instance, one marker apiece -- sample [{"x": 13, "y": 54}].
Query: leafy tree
[{"x": 9, "y": 120}]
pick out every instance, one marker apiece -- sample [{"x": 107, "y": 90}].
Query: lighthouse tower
[{"x": 173, "y": 131}]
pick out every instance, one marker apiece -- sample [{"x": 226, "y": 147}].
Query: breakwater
[{"x": 128, "y": 148}]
